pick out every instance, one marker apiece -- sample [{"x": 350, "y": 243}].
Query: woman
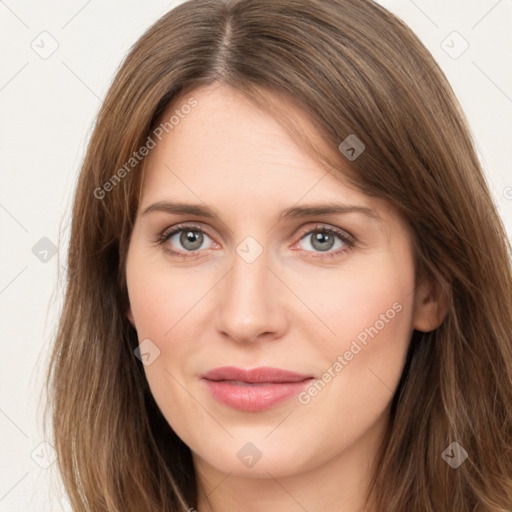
[{"x": 211, "y": 354}]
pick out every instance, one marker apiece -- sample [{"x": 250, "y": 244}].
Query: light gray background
[{"x": 47, "y": 107}]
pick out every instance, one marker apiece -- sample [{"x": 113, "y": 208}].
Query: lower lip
[{"x": 254, "y": 397}]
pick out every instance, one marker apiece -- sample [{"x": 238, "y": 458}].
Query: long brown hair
[{"x": 356, "y": 69}]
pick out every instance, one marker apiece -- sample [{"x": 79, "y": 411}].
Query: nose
[{"x": 251, "y": 302}]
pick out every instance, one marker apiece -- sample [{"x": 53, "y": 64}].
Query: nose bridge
[
  {"x": 248, "y": 305},
  {"x": 249, "y": 276}
]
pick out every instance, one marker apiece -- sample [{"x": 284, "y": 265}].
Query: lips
[
  {"x": 262, "y": 374},
  {"x": 254, "y": 389}
]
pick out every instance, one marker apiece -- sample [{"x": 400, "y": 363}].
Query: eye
[
  {"x": 187, "y": 238},
  {"x": 322, "y": 239}
]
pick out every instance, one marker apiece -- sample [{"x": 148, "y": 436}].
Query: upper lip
[{"x": 260, "y": 374}]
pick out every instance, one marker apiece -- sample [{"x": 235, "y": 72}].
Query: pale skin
[{"x": 292, "y": 308}]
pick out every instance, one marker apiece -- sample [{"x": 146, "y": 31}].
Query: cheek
[
  {"x": 165, "y": 304},
  {"x": 160, "y": 298},
  {"x": 162, "y": 305},
  {"x": 375, "y": 294},
  {"x": 165, "y": 314},
  {"x": 370, "y": 311}
]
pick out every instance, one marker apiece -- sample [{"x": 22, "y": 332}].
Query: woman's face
[{"x": 251, "y": 284}]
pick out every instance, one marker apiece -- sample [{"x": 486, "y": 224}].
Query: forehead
[{"x": 226, "y": 148}]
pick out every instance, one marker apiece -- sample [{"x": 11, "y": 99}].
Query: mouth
[{"x": 255, "y": 389}]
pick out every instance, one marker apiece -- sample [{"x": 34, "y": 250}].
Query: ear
[
  {"x": 129, "y": 314},
  {"x": 430, "y": 306}
]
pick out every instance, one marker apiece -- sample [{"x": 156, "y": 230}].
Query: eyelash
[{"x": 347, "y": 239}]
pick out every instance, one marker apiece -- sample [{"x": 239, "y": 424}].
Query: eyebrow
[{"x": 200, "y": 210}]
